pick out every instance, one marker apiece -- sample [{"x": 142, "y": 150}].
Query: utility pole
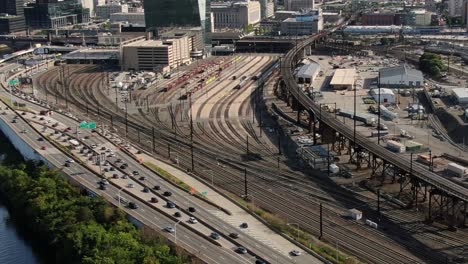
[
  {"x": 245, "y": 182},
  {"x": 378, "y": 122},
  {"x": 152, "y": 129},
  {"x": 354, "y": 119},
  {"x": 126, "y": 120},
  {"x": 191, "y": 132},
  {"x": 321, "y": 222}
]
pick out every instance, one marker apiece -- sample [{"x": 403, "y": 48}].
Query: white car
[
  {"x": 169, "y": 229},
  {"x": 130, "y": 185},
  {"x": 295, "y": 253},
  {"x": 193, "y": 220},
  {"x": 70, "y": 160}
]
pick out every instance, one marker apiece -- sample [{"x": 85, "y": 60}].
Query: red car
[{"x": 43, "y": 147}]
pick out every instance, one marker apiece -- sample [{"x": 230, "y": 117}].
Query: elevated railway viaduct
[{"x": 445, "y": 199}]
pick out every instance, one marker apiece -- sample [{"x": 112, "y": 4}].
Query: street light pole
[
  {"x": 175, "y": 231},
  {"x": 118, "y": 194},
  {"x": 298, "y": 229}
]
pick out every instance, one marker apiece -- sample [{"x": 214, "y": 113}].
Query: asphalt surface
[
  {"x": 185, "y": 237},
  {"x": 184, "y": 200}
]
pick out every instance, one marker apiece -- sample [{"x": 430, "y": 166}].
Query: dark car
[
  {"x": 177, "y": 214},
  {"x": 103, "y": 187},
  {"x": 192, "y": 209},
  {"x": 136, "y": 173},
  {"x": 118, "y": 160},
  {"x": 170, "y": 205},
  {"x": 215, "y": 236},
  {"x": 157, "y": 187},
  {"x": 112, "y": 169},
  {"x": 67, "y": 164},
  {"x": 40, "y": 139},
  {"x": 234, "y": 235},
  {"x": 142, "y": 178},
  {"x": 115, "y": 176},
  {"x": 241, "y": 250},
  {"x": 132, "y": 205},
  {"x": 146, "y": 190},
  {"x": 154, "y": 200},
  {"x": 244, "y": 225},
  {"x": 103, "y": 148},
  {"x": 167, "y": 193},
  {"x": 123, "y": 167},
  {"x": 259, "y": 261}
]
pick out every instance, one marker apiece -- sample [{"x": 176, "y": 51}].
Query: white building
[
  {"x": 461, "y": 94},
  {"x": 307, "y": 73},
  {"x": 104, "y": 11},
  {"x": 400, "y": 76},
  {"x": 298, "y": 5},
  {"x": 344, "y": 79},
  {"x": 131, "y": 18},
  {"x": 236, "y": 15},
  {"x": 455, "y": 7},
  {"x": 303, "y": 24},
  {"x": 156, "y": 55},
  {"x": 386, "y": 95},
  {"x": 88, "y": 4}
]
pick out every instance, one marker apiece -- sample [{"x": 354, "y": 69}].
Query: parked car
[
  {"x": 241, "y": 250},
  {"x": 193, "y": 220},
  {"x": 234, "y": 235},
  {"x": 132, "y": 205},
  {"x": 154, "y": 200},
  {"x": 244, "y": 225},
  {"x": 167, "y": 193},
  {"x": 170, "y": 205},
  {"x": 169, "y": 229},
  {"x": 295, "y": 253}
]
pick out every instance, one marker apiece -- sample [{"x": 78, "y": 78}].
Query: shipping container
[
  {"x": 396, "y": 146},
  {"x": 457, "y": 170},
  {"x": 413, "y": 145}
]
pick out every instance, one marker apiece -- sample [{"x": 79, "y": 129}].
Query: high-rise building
[
  {"x": 11, "y": 16},
  {"x": 298, "y": 5},
  {"x": 238, "y": 15},
  {"x": 53, "y": 14},
  {"x": 455, "y": 7},
  {"x": 177, "y": 13}
]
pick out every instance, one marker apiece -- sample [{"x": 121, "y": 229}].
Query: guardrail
[{"x": 417, "y": 170}]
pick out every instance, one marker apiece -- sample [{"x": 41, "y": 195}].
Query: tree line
[{"x": 78, "y": 228}]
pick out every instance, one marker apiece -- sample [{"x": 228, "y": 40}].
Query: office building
[
  {"x": 156, "y": 55},
  {"x": 12, "y": 16},
  {"x": 104, "y": 11},
  {"x": 131, "y": 18},
  {"x": 298, "y": 5},
  {"x": 53, "y": 14},
  {"x": 238, "y": 15},
  {"x": 178, "y": 13},
  {"x": 378, "y": 18},
  {"x": 267, "y": 9},
  {"x": 455, "y": 7},
  {"x": 88, "y": 4},
  {"x": 303, "y": 24}
]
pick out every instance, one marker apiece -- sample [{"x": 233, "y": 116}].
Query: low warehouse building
[
  {"x": 461, "y": 95},
  {"x": 386, "y": 95},
  {"x": 307, "y": 73},
  {"x": 400, "y": 77},
  {"x": 343, "y": 79}
]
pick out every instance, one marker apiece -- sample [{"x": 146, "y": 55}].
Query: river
[{"x": 13, "y": 248}]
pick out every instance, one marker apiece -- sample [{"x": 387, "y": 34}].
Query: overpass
[{"x": 413, "y": 173}]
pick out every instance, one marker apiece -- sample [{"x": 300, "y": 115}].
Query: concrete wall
[{"x": 26, "y": 150}]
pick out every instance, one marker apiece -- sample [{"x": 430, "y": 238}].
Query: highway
[
  {"x": 180, "y": 198},
  {"x": 399, "y": 161},
  {"x": 147, "y": 215}
]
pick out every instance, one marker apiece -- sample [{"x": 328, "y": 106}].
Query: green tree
[{"x": 432, "y": 65}]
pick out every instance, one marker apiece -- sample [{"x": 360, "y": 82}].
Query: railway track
[{"x": 230, "y": 179}]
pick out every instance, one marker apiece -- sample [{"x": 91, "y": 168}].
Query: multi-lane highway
[{"x": 179, "y": 197}]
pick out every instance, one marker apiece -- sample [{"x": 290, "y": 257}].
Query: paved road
[{"x": 186, "y": 238}]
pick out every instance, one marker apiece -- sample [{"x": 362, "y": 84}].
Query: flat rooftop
[{"x": 344, "y": 77}]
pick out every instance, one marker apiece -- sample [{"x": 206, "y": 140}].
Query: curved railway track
[{"x": 299, "y": 203}]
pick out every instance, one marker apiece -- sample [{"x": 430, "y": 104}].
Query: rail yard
[{"x": 216, "y": 111}]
